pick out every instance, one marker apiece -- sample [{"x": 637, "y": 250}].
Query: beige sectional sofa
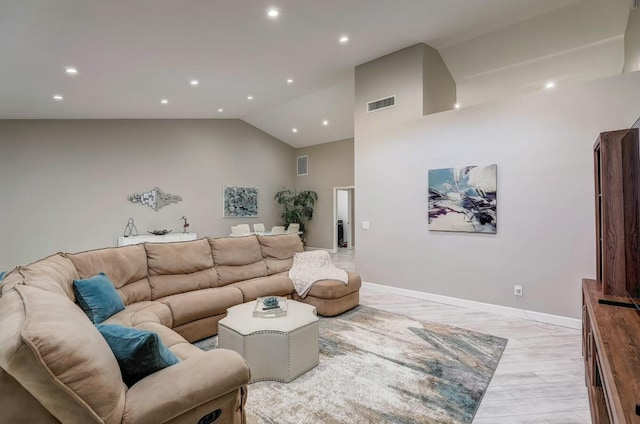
[{"x": 56, "y": 367}]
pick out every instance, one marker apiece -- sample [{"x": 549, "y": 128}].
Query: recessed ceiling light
[
  {"x": 457, "y": 105},
  {"x": 58, "y": 97},
  {"x": 194, "y": 82},
  {"x": 549, "y": 85},
  {"x": 71, "y": 71},
  {"x": 273, "y": 13},
  {"x": 249, "y": 97},
  {"x": 220, "y": 110},
  {"x": 164, "y": 101},
  {"x": 295, "y": 130},
  {"x": 325, "y": 122},
  {"x": 344, "y": 39},
  {"x": 290, "y": 81}
]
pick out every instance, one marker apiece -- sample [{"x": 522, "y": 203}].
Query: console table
[
  {"x": 167, "y": 238},
  {"x": 611, "y": 350}
]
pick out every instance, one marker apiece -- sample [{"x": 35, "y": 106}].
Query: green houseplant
[{"x": 297, "y": 206}]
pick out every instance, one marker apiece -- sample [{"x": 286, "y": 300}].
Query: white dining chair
[
  {"x": 244, "y": 228},
  {"x": 236, "y": 232},
  {"x": 258, "y": 228},
  {"x": 293, "y": 228},
  {"x": 278, "y": 229}
]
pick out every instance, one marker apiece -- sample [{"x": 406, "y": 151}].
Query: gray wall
[
  {"x": 416, "y": 75},
  {"x": 632, "y": 42},
  {"x": 398, "y": 73},
  {"x": 438, "y": 86},
  {"x": 64, "y": 183},
  {"x": 330, "y": 165},
  {"x": 542, "y": 144}
]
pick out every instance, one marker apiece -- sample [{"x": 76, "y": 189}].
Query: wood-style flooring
[{"x": 540, "y": 378}]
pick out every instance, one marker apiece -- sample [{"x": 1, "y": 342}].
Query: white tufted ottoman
[{"x": 279, "y": 349}]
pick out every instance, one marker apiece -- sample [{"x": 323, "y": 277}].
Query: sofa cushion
[
  {"x": 237, "y": 259},
  {"x": 145, "y": 311},
  {"x": 331, "y": 307},
  {"x": 97, "y": 297},
  {"x": 17, "y": 404},
  {"x": 166, "y": 285},
  {"x": 333, "y": 289},
  {"x": 52, "y": 349},
  {"x": 54, "y": 273},
  {"x": 180, "y": 267},
  {"x": 178, "y": 258},
  {"x": 273, "y": 285},
  {"x": 278, "y": 251},
  {"x": 126, "y": 267},
  {"x": 168, "y": 337},
  {"x": 139, "y": 352},
  {"x": 235, "y": 251},
  {"x": 191, "y": 306},
  {"x": 190, "y": 390}
]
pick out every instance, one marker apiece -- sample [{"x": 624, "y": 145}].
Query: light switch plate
[{"x": 365, "y": 225}]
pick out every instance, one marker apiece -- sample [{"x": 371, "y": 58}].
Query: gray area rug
[{"x": 378, "y": 367}]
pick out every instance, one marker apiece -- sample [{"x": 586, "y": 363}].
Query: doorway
[{"x": 343, "y": 218}]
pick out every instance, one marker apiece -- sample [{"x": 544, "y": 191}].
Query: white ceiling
[{"x": 131, "y": 54}]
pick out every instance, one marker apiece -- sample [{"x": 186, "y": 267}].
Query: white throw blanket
[{"x": 309, "y": 267}]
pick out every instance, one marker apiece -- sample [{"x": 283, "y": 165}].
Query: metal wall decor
[{"x": 155, "y": 198}]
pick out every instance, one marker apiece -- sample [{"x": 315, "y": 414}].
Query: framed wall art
[
  {"x": 239, "y": 202},
  {"x": 463, "y": 199}
]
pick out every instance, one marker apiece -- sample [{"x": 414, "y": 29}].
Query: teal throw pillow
[
  {"x": 2, "y": 274},
  {"x": 97, "y": 297},
  {"x": 139, "y": 353}
]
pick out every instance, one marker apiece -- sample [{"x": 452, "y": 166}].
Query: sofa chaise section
[{"x": 330, "y": 297}]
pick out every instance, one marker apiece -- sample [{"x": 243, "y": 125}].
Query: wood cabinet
[
  {"x": 611, "y": 350},
  {"x": 611, "y": 329},
  {"x": 616, "y": 157}
]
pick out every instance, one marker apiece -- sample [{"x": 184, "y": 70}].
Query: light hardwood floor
[{"x": 540, "y": 378}]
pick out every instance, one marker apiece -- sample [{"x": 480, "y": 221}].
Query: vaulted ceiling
[{"x": 130, "y": 55}]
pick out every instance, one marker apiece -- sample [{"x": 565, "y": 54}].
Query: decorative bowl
[{"x": 159, "y": 232}]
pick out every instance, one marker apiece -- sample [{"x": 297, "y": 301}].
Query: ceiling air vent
[
  {"x": 376, "y": 105},
  {"x": 303, "y": 165}
]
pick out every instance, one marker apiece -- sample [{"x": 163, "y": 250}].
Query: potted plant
[{"x": 297, "y": 206}]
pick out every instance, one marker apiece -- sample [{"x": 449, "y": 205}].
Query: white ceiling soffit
[
  {"x": 573, "y": 44},
  {"x": 132, "y": 54}
]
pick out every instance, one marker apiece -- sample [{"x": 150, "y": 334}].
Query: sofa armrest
[{"x": 180, "y": 388}]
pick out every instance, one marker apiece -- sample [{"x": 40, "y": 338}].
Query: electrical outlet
[{"x": 517, "y": 290}]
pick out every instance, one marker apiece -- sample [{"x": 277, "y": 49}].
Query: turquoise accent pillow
[
  {"x": 139, "y": 352},
  {"x": 2, "y": 274},
  {"x": 97, "y": 297}
]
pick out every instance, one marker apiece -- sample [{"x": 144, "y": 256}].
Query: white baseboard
[{"x": 485, "y": 307}]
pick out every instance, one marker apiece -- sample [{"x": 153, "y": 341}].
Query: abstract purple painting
[{"x": 463, "y": 199}]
